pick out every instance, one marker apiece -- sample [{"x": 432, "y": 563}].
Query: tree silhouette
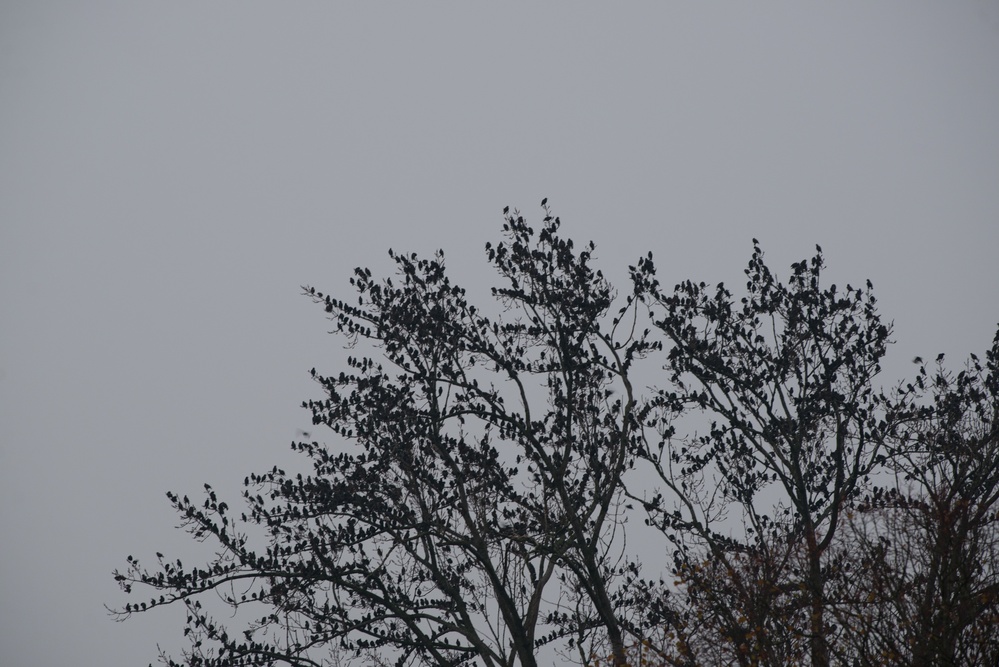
[
  {"x": 754, "y": 501},
  {"x": 926, "y": 591},
  {"x": 472, "y": 503},
  {"x": 470, "y": 506}
]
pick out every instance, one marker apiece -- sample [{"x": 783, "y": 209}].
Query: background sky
[{"x": 171, "y": 173}]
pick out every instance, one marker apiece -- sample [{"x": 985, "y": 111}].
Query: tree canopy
[{"x": 485, "y": 465}]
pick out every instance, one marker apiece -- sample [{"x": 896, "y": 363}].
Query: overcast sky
[{"x": 171, "y": 173}]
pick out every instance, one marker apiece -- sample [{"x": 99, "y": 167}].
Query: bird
[
  {"x": 544, "y": 201},
  {"x": 917, "y": 360}
]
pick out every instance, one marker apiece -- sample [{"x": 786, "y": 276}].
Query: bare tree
[
  {"x": 470, "y": 505},
  {"x": 755, "y": 500},
  {"x": 467, "y": 509},
  {"x": 926, "y": 588}
]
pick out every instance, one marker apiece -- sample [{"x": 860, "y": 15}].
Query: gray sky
[{"x": 170, "y": 173}]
